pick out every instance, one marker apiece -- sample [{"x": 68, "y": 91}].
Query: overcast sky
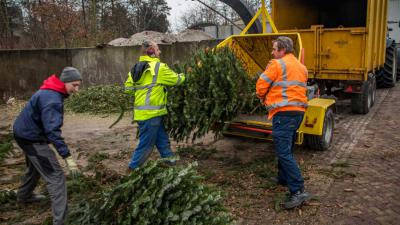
[{"x": 177, "y": 8}]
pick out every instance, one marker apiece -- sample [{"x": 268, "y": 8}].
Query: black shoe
[
  {"x": 297, "y": 199},
  {"x": 169, "y": 161},
  {"x": 32, "y": 198},
  {"x": 276, "y": 181}
]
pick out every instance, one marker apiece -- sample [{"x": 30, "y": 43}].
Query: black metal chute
[{"x": 245, "y": 14}]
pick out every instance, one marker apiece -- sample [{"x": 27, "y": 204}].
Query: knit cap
[{"x": 70, "y": 74}]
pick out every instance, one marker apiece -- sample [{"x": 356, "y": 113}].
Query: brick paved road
[{"x": 371, "y": 194}]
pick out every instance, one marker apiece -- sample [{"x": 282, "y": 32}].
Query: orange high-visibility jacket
[{"x": 283, "y": 85}]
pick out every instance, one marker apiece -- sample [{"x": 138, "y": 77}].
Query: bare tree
[
  {"x": 204, "y": 15},
  {"x": 74, "y": 23},
  {"x": 208, "y": 12},
  {"x": 11, "y": 23}
]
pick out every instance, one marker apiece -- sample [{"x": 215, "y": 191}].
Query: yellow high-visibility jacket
[{"x": 150, "y": 90}]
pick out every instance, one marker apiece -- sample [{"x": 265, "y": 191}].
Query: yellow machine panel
[
  {"x": 343, "y": 39},
  {"x": 313, "y": 121}
]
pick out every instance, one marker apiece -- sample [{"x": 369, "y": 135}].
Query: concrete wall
[
  {"x": 221, "y": 32},
  {"x": 23, "y": 71},
  {"x": 224, "y": 31}
]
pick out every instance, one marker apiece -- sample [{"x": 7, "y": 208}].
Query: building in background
[{"x": 224, "y": 31}]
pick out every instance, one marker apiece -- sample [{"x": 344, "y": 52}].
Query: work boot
[
  {"x": 297, "y": 199},
  {"x": 32, "y": 198},
  {"x": 169, "y": 161}
]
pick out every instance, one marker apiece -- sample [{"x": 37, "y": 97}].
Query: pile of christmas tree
[{"x": 154, "y": 194}]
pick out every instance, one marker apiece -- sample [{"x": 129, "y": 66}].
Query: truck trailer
[{"x": 345, "y": 42}]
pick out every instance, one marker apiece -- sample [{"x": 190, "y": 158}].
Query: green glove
[{"x": 72, "y": 167}]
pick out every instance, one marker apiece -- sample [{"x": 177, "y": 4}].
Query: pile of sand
[
  {"x": 138, "y": 38},
  {"x": 193, "y": 35},
  {"x": 161, "y": 38},
  {"x": 118, "y": 42}
]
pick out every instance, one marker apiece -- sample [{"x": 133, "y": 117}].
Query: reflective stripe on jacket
[
  {"x": 283, "y": 85},
  {"x": 150, "y": 90}
]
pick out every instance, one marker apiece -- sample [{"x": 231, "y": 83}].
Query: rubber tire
[
  {"x": 388, "y": 76},
  {"x": 360, "y": 102},
  {"x": 322, "y": 143}
]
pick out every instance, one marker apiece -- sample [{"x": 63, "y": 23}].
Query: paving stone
[{"x": 377, "y": 183}]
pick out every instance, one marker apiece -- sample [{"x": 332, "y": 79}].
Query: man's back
[
  {"x": 149, "y": 90},
  {"x": 283, "y": 84},
  {"x": 29, "y": 123}
]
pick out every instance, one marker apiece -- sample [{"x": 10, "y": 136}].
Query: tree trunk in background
[
  {"x": 5, "y": 33},
  {"x": 84, "y": 22},
  {"x": 93, "y": 19},
  {"x": 78, "y": 23}
]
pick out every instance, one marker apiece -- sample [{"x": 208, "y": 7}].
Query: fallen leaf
[
  {"x": 340, "y": 205},
  {"x": 313, "y": 203},
  {"x": 367, "y": 145}
]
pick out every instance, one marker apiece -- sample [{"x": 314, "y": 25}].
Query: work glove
[{"x": 72, "y": 167}]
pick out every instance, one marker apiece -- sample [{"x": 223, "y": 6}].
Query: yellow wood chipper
[
  {"x": 254, "y": 50},
  {"x": 344, "y": 45}
]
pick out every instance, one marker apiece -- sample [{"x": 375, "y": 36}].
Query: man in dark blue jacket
[{"x": 38, "y": 125}]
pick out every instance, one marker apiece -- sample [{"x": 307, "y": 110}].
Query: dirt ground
[{"x": 355, "y": 182}]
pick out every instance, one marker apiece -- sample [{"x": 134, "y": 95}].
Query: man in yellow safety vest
[{"x": 147, "y": 82}]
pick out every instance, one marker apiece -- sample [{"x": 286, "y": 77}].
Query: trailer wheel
[
  {"x": 387, "y": 78},
  {"x": 362, "y": 102},
  {"x": 323, "y": 142}
]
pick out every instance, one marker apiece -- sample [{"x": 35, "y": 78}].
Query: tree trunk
[
  {"x": 93, "y": 18},
  {"x": 84, "y": 22},
  {"x": 7, "y": 33}
]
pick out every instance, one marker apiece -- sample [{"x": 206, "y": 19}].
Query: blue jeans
[
  {"x": 151, "y": 132},
  {"x": 284, "y": 136}
]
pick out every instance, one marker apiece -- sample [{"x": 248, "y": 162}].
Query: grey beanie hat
[{"x": 70, "y": 74}]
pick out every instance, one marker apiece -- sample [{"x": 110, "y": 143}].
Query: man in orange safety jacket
[{"x": 282, "y": 87}]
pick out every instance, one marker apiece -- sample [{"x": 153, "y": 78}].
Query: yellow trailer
[
  {"x": 344, "y": 45},
  {"x": 254, "y": 50}
]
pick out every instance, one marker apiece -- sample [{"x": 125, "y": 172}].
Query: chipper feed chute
[{"x": 254, "y": 50}]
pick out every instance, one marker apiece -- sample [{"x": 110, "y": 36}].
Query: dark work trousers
[
  {"x": 151, "y": 133},
  {"x": 41, "y": 161},
  {"x": 284, "y": 136}
]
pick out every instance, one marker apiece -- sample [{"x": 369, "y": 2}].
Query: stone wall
[{"x": 23, "y": 71}]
